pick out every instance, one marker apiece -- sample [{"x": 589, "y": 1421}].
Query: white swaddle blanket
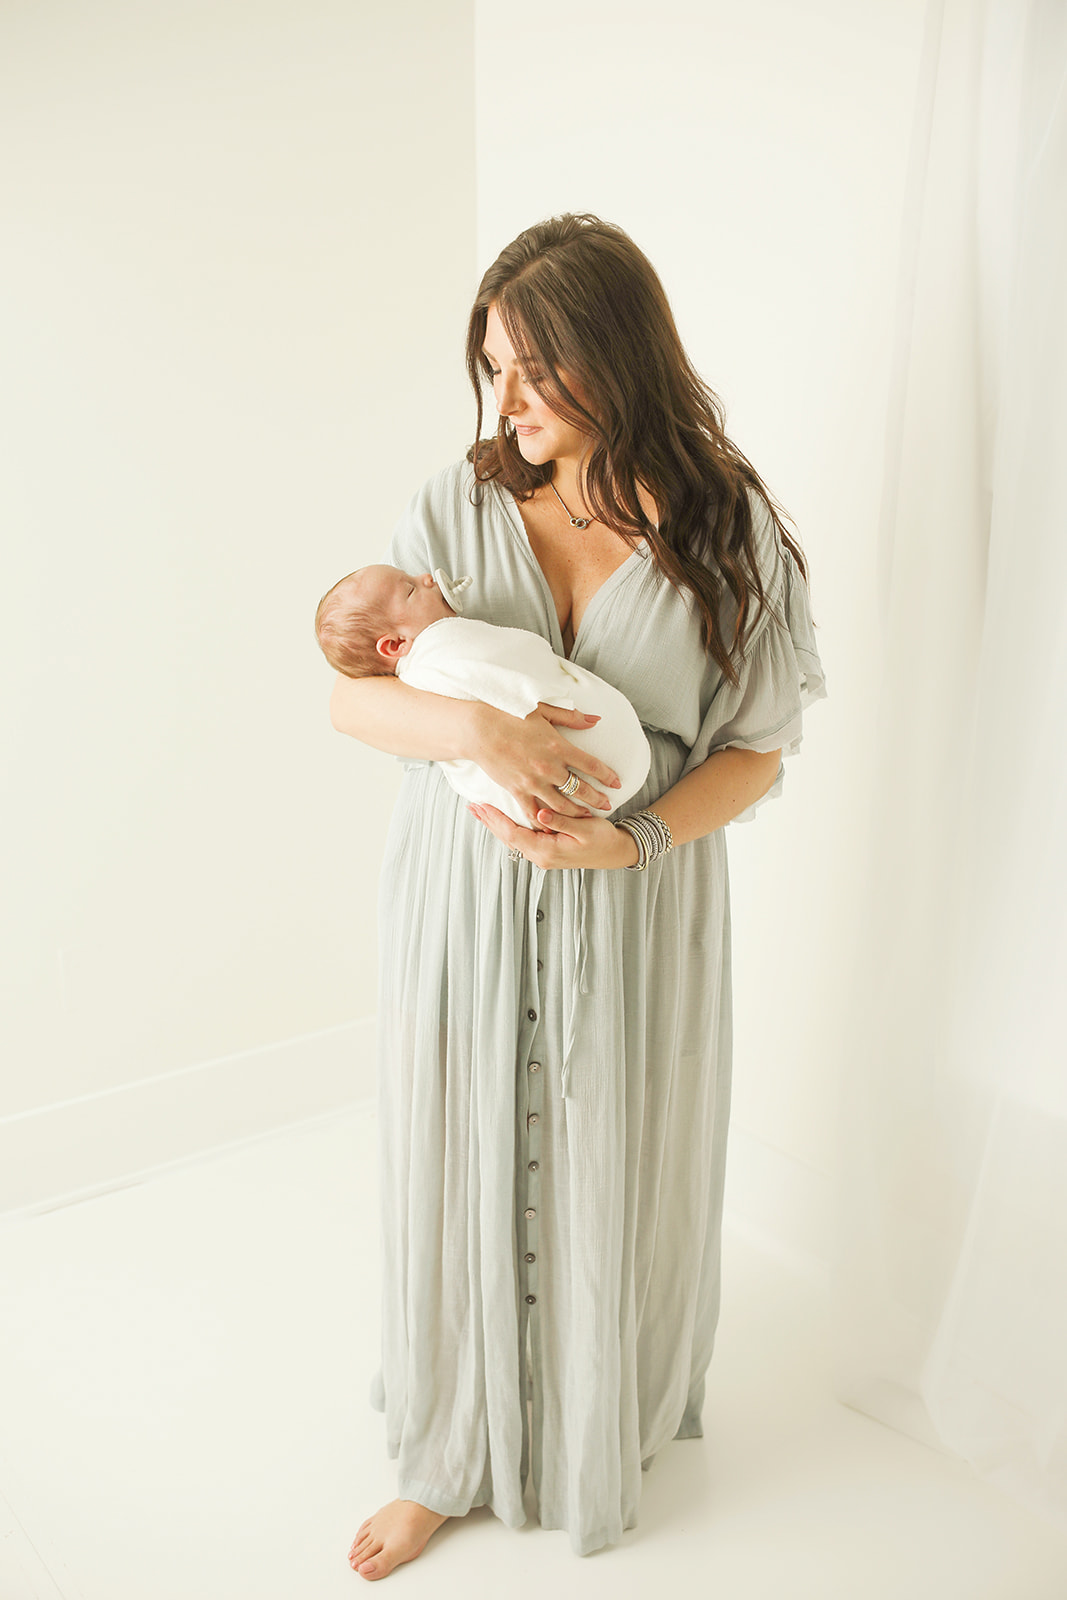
[{"x": 514, "y": 669}]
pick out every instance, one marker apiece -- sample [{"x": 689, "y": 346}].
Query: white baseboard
[
  {"x": 782, "y": 1203},
  {"x": 61, "y": 1153}
]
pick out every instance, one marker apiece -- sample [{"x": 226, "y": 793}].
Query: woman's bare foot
[{"x": 396, "y": 1533}]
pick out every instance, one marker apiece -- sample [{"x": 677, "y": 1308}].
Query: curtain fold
[{"x": 950, "y": 1275}]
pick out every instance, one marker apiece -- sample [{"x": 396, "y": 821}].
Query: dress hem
[{"x": 444, "y": 1505}]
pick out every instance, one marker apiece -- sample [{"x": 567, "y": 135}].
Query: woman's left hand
[{"x": 565, "y": 842}]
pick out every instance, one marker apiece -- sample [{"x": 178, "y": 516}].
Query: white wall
[
  {"x": 238, "y": 256},
  {"x": 757, "y": 153}
]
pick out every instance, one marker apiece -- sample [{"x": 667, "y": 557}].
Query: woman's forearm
[
  {"x": 528, "y": 756},
  {"x": 404, "y": 721},
  {"x": 724, "y": 785}
]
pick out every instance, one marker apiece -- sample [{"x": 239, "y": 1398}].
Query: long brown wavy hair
[{"x": 576, "y": 295}]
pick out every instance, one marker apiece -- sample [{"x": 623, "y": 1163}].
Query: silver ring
[
  {"x": 572, "y": 785},
  {"x": 515, "y": 855}
]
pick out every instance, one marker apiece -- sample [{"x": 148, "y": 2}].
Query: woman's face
[{"x": 541, "y": 434}]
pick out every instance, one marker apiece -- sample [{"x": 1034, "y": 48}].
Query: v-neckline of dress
[{"x": 515, "y": 522}]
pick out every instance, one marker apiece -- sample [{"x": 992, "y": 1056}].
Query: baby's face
[{"x": 411, "y": 601}]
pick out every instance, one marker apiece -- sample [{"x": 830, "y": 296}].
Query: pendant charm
[{"x": 575, "y": 522}]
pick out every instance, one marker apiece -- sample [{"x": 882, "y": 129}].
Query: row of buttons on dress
[{"x": 533, "y": 1140}]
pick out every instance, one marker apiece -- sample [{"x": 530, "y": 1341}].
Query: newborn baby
[{"x": 380, "y": 621}]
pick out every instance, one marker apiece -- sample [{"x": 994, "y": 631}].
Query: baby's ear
[{"x": 390, "y": 649}]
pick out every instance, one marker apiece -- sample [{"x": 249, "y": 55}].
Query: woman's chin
[{"x": 532, "y": 448}]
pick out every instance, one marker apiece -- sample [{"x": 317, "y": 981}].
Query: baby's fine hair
[{"x": 348, "y": 630}]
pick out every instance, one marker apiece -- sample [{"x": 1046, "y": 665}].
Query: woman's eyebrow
[{"x": 519, "y": 361}]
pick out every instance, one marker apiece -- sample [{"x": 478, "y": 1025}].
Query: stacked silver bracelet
[{"x": 652, "y": 834}]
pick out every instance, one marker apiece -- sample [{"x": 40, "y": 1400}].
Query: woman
[{"x": 554, "y": 1031}]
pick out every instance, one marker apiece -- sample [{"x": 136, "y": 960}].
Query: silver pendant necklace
[{"x": 576, "y": 522}]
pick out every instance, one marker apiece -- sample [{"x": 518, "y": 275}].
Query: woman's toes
[
  {"x": 379, "y": 1559},
  {"x": 360, "y": 1550},
  {"x": 369, "y": 1562},
  {"x": 376, "y": 1563},
  {"x": 395, "y": 1534}
]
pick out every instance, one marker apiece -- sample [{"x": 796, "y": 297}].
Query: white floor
[{"x": 185, "y": 1365}]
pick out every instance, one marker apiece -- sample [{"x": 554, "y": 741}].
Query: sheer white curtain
[{"x": 951, "y": 1268}]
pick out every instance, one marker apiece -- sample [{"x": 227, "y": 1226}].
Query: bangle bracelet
[
  {"x": 652, "y": 835},
  {"x": 642, "y": 857}
]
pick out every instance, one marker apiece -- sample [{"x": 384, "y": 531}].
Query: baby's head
[{"x": 369, "y": 619}]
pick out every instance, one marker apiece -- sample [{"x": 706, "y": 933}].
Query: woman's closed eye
[{"x": 494, "y": 372}]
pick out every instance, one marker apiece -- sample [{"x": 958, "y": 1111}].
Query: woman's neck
[{"x": 565, "y": 481}]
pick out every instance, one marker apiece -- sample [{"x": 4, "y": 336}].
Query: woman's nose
[{"x": 508, "y": 396}]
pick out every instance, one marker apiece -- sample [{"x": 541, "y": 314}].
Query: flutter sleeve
[
  {"x": 411, "y": 538},
  {"x": 781, "y": 675}
]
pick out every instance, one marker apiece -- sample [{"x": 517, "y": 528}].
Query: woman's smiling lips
[{"x": 520, "y": 428}]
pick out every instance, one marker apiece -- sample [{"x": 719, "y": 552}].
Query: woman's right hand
[{"x": 527, "y": 757}]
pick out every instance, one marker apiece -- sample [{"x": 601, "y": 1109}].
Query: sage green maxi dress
[{"x": 554, "y": 1067}]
